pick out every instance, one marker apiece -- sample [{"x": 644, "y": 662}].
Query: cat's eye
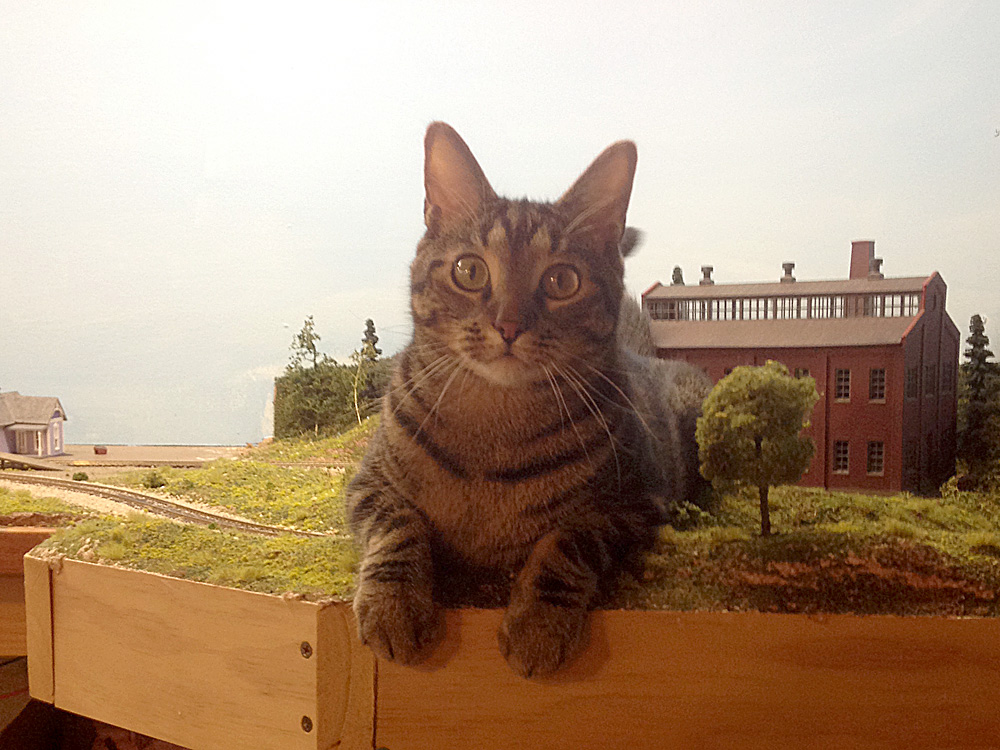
[
  {"x": 561, "y": 282},
  {"x": 470, "y": 273}
]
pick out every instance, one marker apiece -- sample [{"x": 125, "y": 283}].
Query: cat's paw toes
[
  {"x": 398, "y": 625},
  {"x": 539, "y": 639}
]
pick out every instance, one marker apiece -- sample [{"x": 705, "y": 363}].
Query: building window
[
  {"x": 876, "y": 457},
  {"x": 947, "y": 378},
  {"x": 802, "y": 372},
  {"x": 728, "y": 371},
  {"x": 842, "y": 385},
  {"x": 876, "y": 384},
  {"x": 930, "y": 380},
  {"x": 841, "y": 457},
  {"x": 911, "y": 387}
]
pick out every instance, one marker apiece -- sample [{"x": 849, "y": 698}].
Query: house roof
[
  {"x": 795, "y": 333},
  {"x": 788, "y": 289},
  {"x": 16, "y": 409}
]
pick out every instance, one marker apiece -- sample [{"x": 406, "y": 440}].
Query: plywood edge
[
  {"x": 346, "y": 681},
  {"x": 38, "y": 619}
]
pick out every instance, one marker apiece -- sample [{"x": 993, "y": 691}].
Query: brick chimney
[
  {"x": 862, "y": 253},
  {"x": 876, "y": 270},
  {"x": 706, "y": 276},
  {"x": 788, "y": 268}
]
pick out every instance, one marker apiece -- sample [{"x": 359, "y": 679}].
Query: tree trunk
[{"x": 765, "y": 513}]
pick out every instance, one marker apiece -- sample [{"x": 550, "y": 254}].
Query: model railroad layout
[{"x": 156, "y": 505}]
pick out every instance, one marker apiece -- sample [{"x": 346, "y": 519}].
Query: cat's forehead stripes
[{"x": 512, "y": 228}]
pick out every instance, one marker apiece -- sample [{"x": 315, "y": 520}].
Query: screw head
[
  {"x": 307, "y": 724},
  {"x": 306, "y": 649}
]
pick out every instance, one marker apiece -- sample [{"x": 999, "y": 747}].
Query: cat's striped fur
[{"x": 519, "y": 436}]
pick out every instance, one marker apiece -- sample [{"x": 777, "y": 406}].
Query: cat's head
[{"x": 519, "y": 290}]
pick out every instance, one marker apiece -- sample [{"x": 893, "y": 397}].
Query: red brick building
[{"x": 883, "y": 351}]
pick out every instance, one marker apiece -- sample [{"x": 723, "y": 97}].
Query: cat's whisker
[
  {"x": 417, "y": 381},
  {"x": 579, "y": 386},
  {"x": 444, "y": 389},
  {"x": 561, "y": 401}
]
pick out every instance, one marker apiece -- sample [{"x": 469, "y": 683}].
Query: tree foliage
[
  {"x": 318, "y": 396},
  {"x": 750, "y": 430},
  {"x": 979, "y": 403},
  {"x": 368, "y": 342}
]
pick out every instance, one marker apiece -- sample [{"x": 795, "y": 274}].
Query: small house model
[
  {"x": 883, "y": 352},
  {"x": 31, "y": 425}
]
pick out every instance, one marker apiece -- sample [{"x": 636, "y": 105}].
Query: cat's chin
[{"x": 507, "y": 372}]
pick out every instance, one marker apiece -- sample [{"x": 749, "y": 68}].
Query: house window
[
  {"x": 911, "y": 387},
  {"x": 947, "y": 378},
  {"x": 876, "y": 384},
  {"x": 842, "y": 385},
  {"x": 876, "y": 457},
  {"x": 930, "y": 380},
  {"x": 802, "y": 372},
  {"x": 841, "y": 456}
]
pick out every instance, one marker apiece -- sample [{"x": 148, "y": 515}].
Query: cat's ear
[
  {"x": 598, "y": 200},
  {"x": 454, "y": 183}
]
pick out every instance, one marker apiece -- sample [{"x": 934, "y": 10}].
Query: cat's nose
[{"x": 509, "y": 330}]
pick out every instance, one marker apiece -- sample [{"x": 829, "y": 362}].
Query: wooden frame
[
  {"x": 208, "y": 667},
  {"x": 14, "y": 542}
]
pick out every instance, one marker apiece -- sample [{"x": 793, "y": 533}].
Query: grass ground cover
[
  {"x": 300, "y": 498},
  {"x": 831, "y": 552},
  {"x": 18, "y": 502},
  {"x": 834, "y": 552},
  {"x": 316, "y": 567},
  {"x": 346, "y": 448}
]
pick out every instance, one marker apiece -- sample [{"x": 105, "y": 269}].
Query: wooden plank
[
  {"x": 693, "y": 680},
  {"x": 189, "y": 663},
  {"x": 38, "y": 619},
  {"x": 15, "y": 541},
  {"x": 12, "y": 616},
  {"x": 16, "y": 460},
  {"x": 346, "y": 681}
]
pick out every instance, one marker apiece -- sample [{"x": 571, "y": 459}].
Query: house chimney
[
  {"x": 678, "y": 277},
  {"x": 875, "y": 272},
  {"x": 862, "y": 252},
  {"x": 788, "y": 267},
  {"x": 706, "y": 276}
]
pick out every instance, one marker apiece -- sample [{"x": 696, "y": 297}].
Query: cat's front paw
[
  {"x": 398, "y": 622},
  {"x": 538, "y": 639}
]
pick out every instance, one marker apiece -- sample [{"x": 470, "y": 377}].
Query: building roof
[
  {"x": 788, "y": 289},
  {"x": 794, "y": 333},
  {"x": 16, "y": 409}
]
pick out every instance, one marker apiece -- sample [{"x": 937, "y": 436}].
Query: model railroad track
[{"x": 156, "y": 505}]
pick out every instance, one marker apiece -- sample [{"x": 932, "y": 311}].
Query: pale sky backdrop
[{"x": 182, "y": 183}]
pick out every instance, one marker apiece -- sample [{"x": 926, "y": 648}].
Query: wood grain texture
[
  {"x": 15, "y": 541},
  {"x": 38, "y": 619},
  {"x": 12, "y": 625},
  {"x": 198, "y": 665},
  {"x": 346, "y": 686},
  {"x": 708, "y": 680}
]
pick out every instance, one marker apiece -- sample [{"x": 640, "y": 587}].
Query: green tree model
[
  {"x": 369, "y": 349},
  {"x": 304, "y": 347},
  {"x": 979, "y": 404},
  {"x": 749, "y": 430}
]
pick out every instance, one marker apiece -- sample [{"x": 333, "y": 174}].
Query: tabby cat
[{"x": 520, "y": 437}]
